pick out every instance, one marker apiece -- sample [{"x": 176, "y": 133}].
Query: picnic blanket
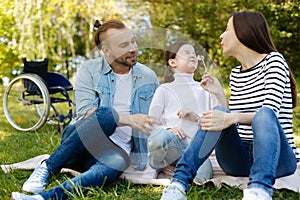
[{"x": 150, "y": 176}]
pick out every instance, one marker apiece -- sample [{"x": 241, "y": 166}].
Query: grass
[{"x": 16, "y": 146}]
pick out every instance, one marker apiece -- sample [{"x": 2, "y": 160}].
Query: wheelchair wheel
[{"x": 26, "y": 102}]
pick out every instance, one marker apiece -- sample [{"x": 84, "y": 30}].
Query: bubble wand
[{"x": 202, "y": 59}]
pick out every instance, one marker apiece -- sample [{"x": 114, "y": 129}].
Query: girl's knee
[
  {"x": 221, "y": 108},
  {"x": 158, "y": 139}
]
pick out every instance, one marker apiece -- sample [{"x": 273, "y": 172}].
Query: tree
[
  {"x": 59, "y": 30},
  {"x": 7, "y": 43},
  {"x": 63, "y": 30},
  {"x": 205, "y": 20}
]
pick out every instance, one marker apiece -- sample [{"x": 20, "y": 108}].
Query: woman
[{"x": 256, "y": 139}]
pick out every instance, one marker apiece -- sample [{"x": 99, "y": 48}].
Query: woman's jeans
[
  {"x": 268, "y": 157},
  {"x": 165, "y": 149},
  {"x": 85, "y": 147}
]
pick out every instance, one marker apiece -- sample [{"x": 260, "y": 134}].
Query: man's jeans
[
  {"x": 268, "y": 157},
  {"x": 85, "y": 147}
]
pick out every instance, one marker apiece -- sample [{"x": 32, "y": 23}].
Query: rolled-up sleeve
[{"x": 85, "y": 95}]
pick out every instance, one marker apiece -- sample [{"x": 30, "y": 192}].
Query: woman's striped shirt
[{"x": 265, "y": 84}]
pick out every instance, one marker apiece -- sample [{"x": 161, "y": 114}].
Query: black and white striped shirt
[{"x": 265, "y": 84}]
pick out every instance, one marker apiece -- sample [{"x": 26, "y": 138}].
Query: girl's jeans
[
  {"x": 165, "y": 149},
  {"x": 268, "y": 157},
  {"x": 85, "y": 147}
]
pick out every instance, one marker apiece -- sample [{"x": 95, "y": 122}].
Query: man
[{"x": 112, "y": 95}]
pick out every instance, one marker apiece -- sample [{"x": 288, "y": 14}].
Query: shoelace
[{"x": 40, "y": 174}]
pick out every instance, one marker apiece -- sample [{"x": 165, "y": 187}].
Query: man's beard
[{"x": 124, "y": 61}]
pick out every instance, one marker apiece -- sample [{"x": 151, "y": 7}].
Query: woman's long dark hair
[{"x": 252, "y": 30}]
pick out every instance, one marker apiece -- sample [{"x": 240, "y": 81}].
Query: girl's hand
[
  {"x": 188, "y": 114},
  {"x": 215, "y": 120},
  {"x": 177, "y": 131}
]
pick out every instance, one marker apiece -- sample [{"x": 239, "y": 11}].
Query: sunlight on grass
[{"x": 4, "y": 134}]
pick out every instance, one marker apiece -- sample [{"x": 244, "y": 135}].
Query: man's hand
[
  {"x": 89, "y": 112},
  {"x": 140, "y": 122}
]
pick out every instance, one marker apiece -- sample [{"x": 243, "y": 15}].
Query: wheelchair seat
[
  {"x": 57, "y": 81},
  {"x": 53, "y": 80}
]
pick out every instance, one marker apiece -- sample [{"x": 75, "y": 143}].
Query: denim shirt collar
[{"x": 107, "y": 68}]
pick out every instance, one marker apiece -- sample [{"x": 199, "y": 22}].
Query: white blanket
[{"x": 149, "y": 176}]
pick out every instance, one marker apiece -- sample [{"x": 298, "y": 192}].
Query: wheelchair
[{"x": 31, "y": 99}]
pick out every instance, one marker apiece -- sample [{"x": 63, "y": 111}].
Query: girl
[{"x": 172, "y": 104}]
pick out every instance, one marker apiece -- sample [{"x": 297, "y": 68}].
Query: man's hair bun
[{"x": 97, "y": 24}]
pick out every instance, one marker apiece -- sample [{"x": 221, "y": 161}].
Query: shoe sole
[
  {"x": 12, "y": 196},
  {"x": 34, "y": 191}
]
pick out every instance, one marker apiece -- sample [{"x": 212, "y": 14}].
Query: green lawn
[{"x": 17, "y": 146}]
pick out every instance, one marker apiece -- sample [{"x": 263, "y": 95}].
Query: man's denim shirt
[{"x": 95, "y": 86}]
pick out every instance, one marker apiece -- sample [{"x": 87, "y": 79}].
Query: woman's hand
[
  {"x": 139, "y": 122},
  {"x": 177, "y": 131},
  {"x": 215, "y": 120},
  {"x": 211, "y": 84}
]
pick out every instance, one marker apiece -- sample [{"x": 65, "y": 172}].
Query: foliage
[
  {"x": 7, "y": 43},
  {"x": 205, "y": 20},
  {"x": 59, "y": 30},
  {"x": 63, "y": 30}
]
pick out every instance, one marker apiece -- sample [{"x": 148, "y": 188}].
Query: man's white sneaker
[
  {"x": 173, "y": 193},
  {"x": 256, "y": 194},
  {"x": 38, "y": 179},
  {"x": 20, "y": 196}
]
